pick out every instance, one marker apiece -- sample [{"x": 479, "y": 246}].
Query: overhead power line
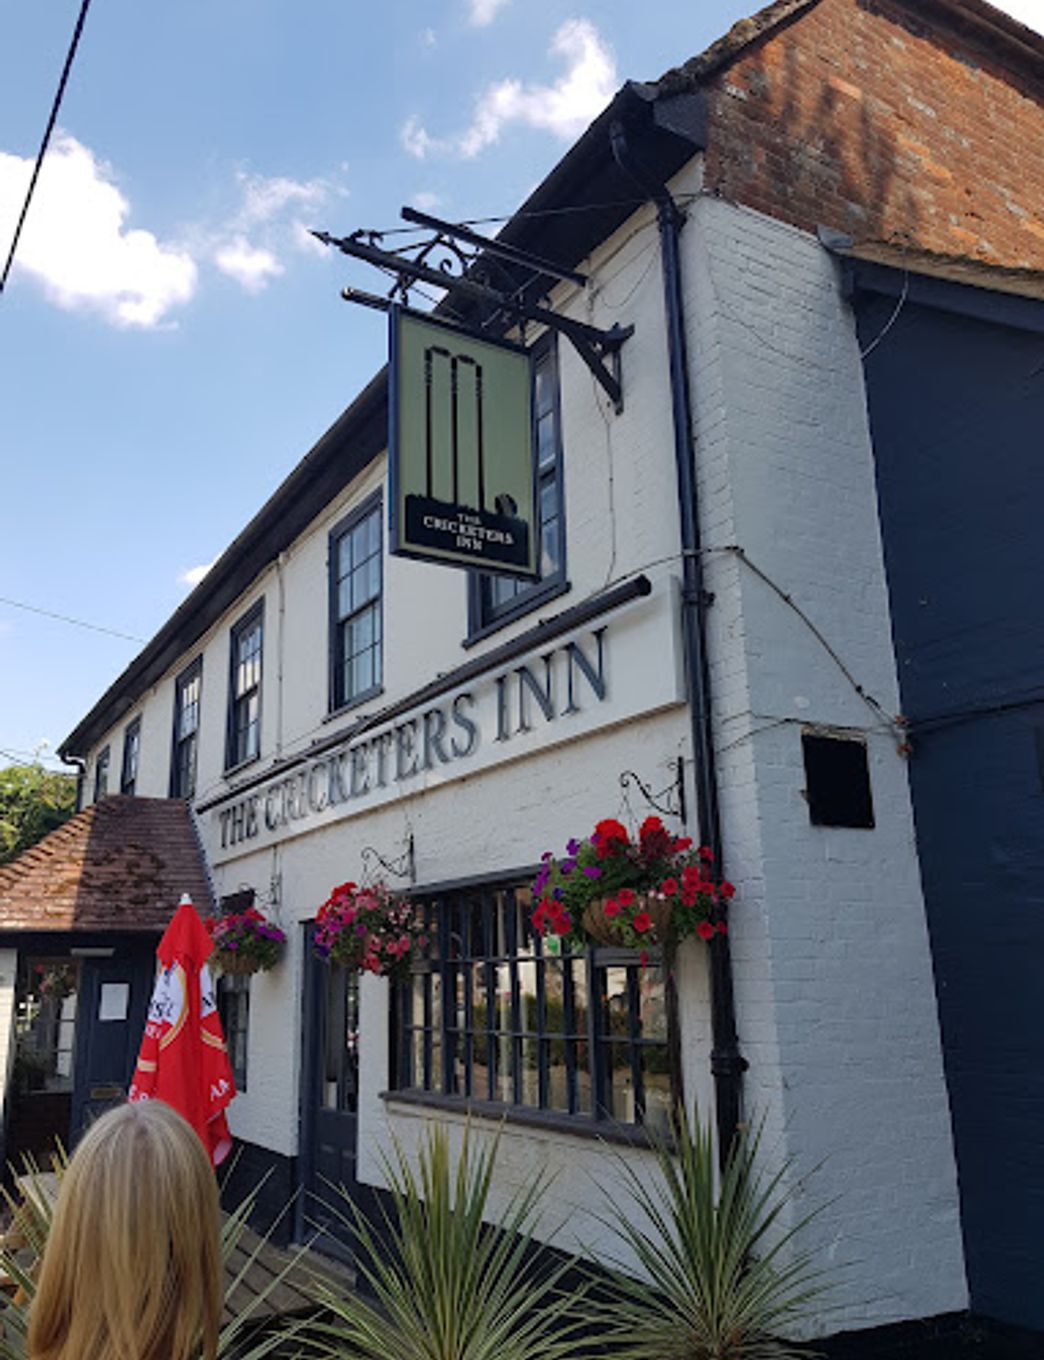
[
  {"x": 55, "y": 106},
  {"x": 64, "y": 618}
]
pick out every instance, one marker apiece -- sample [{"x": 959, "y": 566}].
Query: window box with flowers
[{"x": 245, "y": 942}]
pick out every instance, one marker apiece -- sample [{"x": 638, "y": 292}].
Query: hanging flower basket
[
  {"x": 245, "y": 942},
  {"x": 368, "y": 929},
  {"x": 655, "y": 890}
]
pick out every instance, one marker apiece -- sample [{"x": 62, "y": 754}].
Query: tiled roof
[{"x": 121, "y": 864}]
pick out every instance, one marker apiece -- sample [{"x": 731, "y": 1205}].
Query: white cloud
[
  {"x": 426, "y": 201},
  {"x": 267, "y": 222},
  {"x": 415, "y": 139},
  {"x": 76, "y": 244},
  {"x": 429, "y": 37},
  {"x": 483, "y": 12},
  {"x": 251, "y": 266},
  {"x": 194, "y": 575},
  {"x": 564, "y": 108}
]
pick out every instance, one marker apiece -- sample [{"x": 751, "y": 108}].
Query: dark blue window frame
[
  {"x": 131, "y": 757},
  {"x": 188, "y": 696},
  {"x": 246, "y": 664},
  {"x": 356, "y": 605},
  {"x": 496, "y": 600}
]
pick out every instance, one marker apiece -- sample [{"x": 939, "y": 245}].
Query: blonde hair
[{"x": 132, "y": 1268}]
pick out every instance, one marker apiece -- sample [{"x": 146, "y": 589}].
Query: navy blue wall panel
[{"x": 957, "y": 414}]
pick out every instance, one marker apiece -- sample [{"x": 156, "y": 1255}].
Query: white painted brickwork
[{"x": 834, "y": 985}]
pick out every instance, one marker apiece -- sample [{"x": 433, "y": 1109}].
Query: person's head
[{"x": 132, "y": 1268}]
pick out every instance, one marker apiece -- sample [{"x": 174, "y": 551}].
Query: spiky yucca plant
[
  {"x": 447, "y": 1284},
  {"x": 723, "y": 1275},
  {"x": 33, "y": 1211}
]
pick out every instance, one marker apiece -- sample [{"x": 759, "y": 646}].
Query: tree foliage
[{"x": 33, "y": 802}]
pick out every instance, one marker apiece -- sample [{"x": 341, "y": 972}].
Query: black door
[
  {"x": 110, "y": 1020},
  {"x": 330, "y": 1105}
]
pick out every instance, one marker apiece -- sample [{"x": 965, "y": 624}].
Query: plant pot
[
  {"x": 235, "y": 964},
  {"x": 606, "y": 930}
]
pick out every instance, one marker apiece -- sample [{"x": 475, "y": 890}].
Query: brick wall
[{"x": 882, "y": 122}]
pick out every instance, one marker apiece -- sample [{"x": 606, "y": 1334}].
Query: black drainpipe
[{"x": 727, "y": 1063}]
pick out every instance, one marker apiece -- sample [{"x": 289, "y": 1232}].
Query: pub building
[{"x": 611, "y": 540}]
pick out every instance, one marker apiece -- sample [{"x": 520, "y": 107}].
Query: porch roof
[{"x": 121, "y": 864}]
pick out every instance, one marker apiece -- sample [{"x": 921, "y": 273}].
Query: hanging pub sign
[{"x": 460, "y": 445}]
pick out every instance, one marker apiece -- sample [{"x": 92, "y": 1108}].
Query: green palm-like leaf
[
  {"x": 447, "y": 1284},
  {"x": 722, "y": 1276}
]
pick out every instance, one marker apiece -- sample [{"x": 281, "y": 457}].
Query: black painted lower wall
[{"x": 272, "y": 1178}]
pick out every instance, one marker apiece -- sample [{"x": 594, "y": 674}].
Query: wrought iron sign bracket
[
  {"x": 402, "y": 866},
  {"x": 669, "y": 801},
  {"x": 476, "y": 268}
]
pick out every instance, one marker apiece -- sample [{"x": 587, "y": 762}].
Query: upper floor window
[
  {"x": 244, "y": 699},
  {"x": 187, "y": 691},
  {"x": 496, "y": 599},
  {"x": 131, "y": 755},
  {"x": 101, "y": 774},
  {"x": 355, "y": 606},
  {"x": 495, "y": 1013}
]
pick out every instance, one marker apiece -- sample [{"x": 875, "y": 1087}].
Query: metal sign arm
[{"x": 599, "y": 349}]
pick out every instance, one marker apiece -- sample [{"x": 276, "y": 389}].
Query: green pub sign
[{"x": 463, "y": 477}]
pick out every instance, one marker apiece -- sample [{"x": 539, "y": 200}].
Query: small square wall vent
[{"x": 837, "y": 781}]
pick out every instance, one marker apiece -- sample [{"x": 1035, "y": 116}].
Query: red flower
[
  {"x": 681, "y": 844},
  {"x": 706, "y": 854},
  {"x": 540, "y": 917},
  {"x": 612, "y": 908},
  {"x": 643, "y": 957},
  {"x": 654, "y": 838},
  {"x": 723, "y": 927},
  {"x": 642, "y": 922},
  {"x": 562, "y": 925},
  {"x": 705, "y": 930},
  {"x": 669, "y": 887},
  {"x": 726, "y": 889},
  {"x": 609, "y": 837},
  {"x": 626, "y": 897},
  {"x": 689, "y": 896}
]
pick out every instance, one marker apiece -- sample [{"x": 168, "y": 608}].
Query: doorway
[{"x": 330, "y": 1106}]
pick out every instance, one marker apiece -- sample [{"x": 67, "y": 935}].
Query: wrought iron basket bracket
[
  {"x": 670, "y": 802},
  {"x": 401, "y": 866},
  {"x": 464, "y": 263}
]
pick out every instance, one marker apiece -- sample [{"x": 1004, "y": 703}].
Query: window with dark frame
[
  {"x": 187, "y": 691},
  {"x": 244, "y": 695},
  {"x": 494, "y": 1013},
  {"x": 101, "y": 774},
  {"x": 494, "y": 598},
  {"x": 233, "y": 998},
  {"x": 131, "y": 757},
  {"x": 356, "y": 622}
]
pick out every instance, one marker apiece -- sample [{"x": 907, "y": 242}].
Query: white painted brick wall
[{"x": 834, "y": 984}]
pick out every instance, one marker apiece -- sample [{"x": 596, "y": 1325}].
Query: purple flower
[
  {"x": 546, "y": 856},
  {"x": 540, "y": 883},
  {"x": 557, "y": 894},
  {"x": 567, "y": 866},
  {"x": 573, "y": 847},
  {"x": 592, "y": 871}
]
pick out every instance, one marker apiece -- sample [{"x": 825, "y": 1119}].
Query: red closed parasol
[{"x": 183, "y": 1060}]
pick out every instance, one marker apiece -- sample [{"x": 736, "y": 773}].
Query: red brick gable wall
[{"x": 867, "y": 117}]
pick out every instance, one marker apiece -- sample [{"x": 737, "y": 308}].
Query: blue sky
[{"x": 171, "y": 340}]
